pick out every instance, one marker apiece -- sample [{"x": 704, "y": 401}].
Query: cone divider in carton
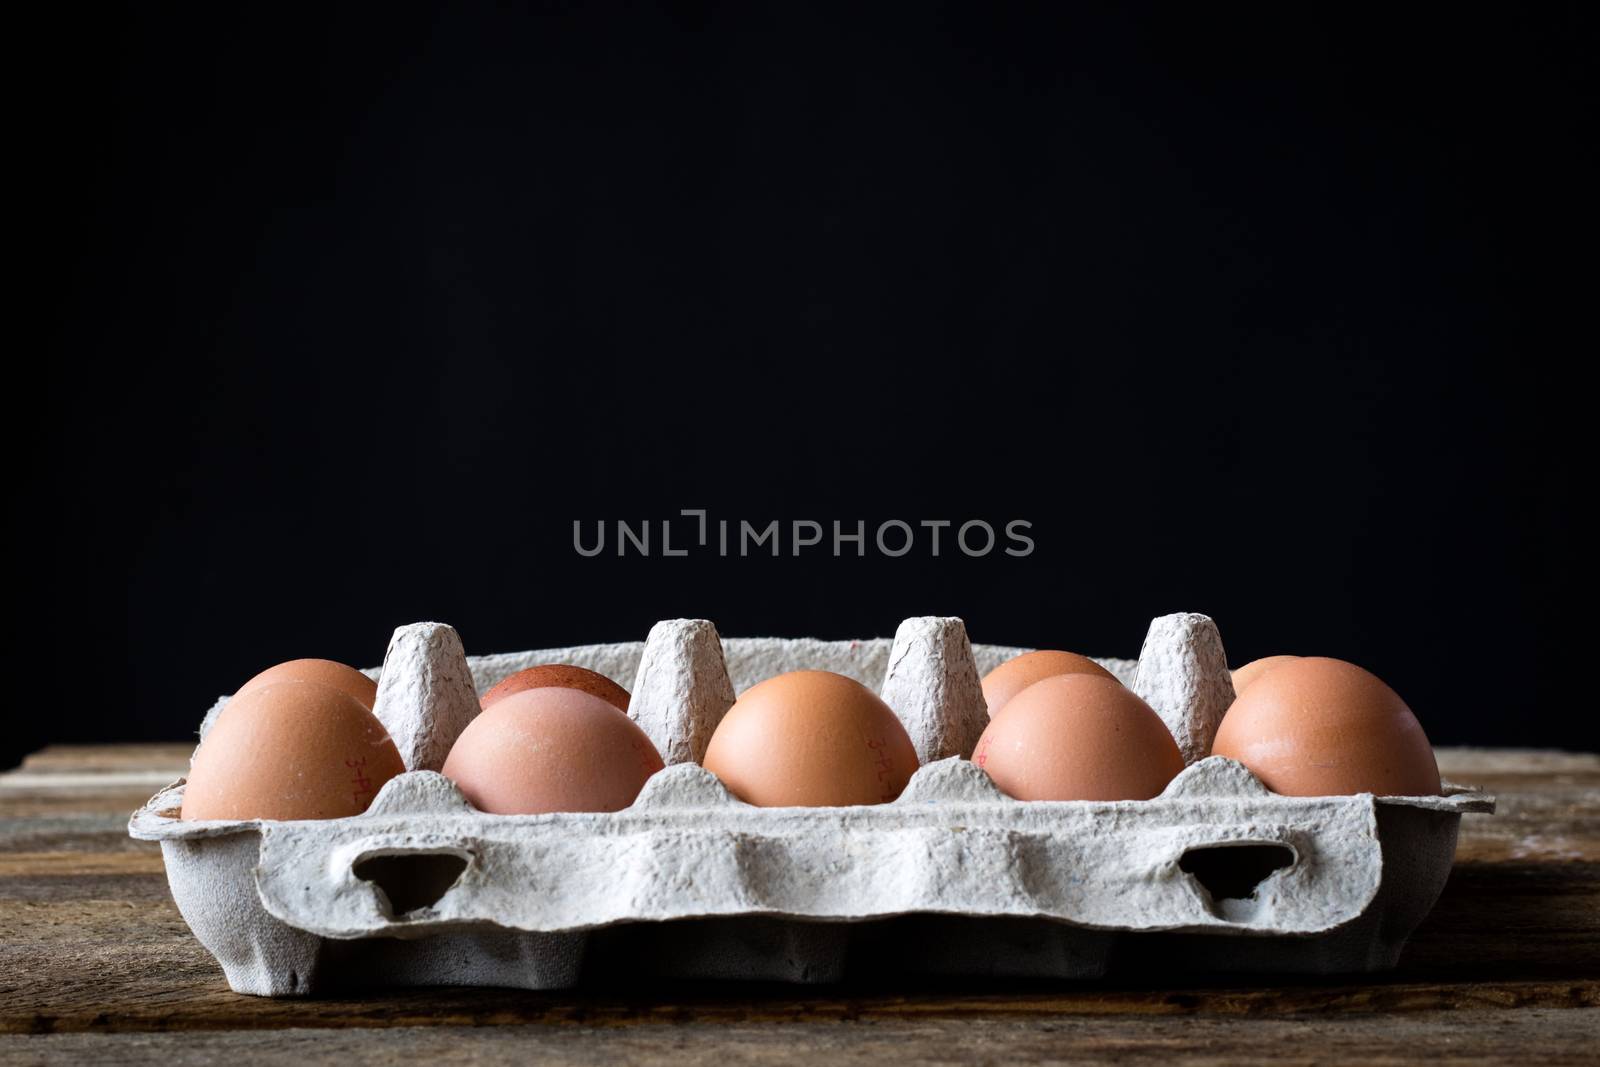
[
  {"x": 1183, "y": 674},
  {"x": 682, "y": 689},
  {"x": 933, "y": 687},
  {"x": 425, "y": 693}
]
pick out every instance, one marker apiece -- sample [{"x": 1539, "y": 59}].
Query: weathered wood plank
[
  {"x": 110, "y": 952},
  {"x": 157, "y": 757},
  {"x": 140, "y": 861},
  {"x": 1489, "y": 1037},
  {"x": 1463, "y": 764}
]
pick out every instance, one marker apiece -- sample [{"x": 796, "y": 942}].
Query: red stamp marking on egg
[
  {"x": 885, "y": 767},
  {"x": 883, "y": 762},
  {"x": 363, "y": 785}
]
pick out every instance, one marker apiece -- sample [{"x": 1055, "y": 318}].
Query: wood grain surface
[{"x": 97, "y": 966}]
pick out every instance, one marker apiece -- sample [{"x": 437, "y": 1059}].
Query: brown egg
[
  {"x": 1324, "y": 727},
  {"x": 1019, "y": 672},
  {"x": 1078, "y": 737},
  {"x": 811, "y": 739},
  {"x": 290, "y": 750},
  {"x": 560, "y": 676},
  {"x": 321, "y": 671},
  {"x": 551, "y": 749},
  {"x": 1243, "y": 676}
]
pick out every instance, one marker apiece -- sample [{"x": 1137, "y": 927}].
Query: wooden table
[{"x": 96, "y": 965}]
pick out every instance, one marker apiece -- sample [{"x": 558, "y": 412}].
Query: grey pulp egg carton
[{"x": 1217, "y": 873}]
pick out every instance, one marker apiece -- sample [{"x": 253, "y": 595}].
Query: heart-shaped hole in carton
[
  {"x": 408, "y": 882},
  {"x": 1231, "y": 873}
]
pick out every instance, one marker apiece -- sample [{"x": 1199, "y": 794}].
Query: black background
[{"x": 1263, "y": 312}]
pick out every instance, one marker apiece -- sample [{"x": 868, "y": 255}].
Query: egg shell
[
  {"x": 327, "y": 672},
  {"x": 1243, "y": 676},
  {"x": 1078, "y": 737},
  {"x": 1018, "y": 673},
  {"x": 551, "y": 749},
  {"x": 559, "y": 676},
  {"x": 290, "y": 750},
  {"x": 811, "y": 739},
  {"x": 1324, "y": 727}
]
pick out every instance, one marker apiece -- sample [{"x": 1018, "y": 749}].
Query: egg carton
[{"x": 1217, "y": 873}]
